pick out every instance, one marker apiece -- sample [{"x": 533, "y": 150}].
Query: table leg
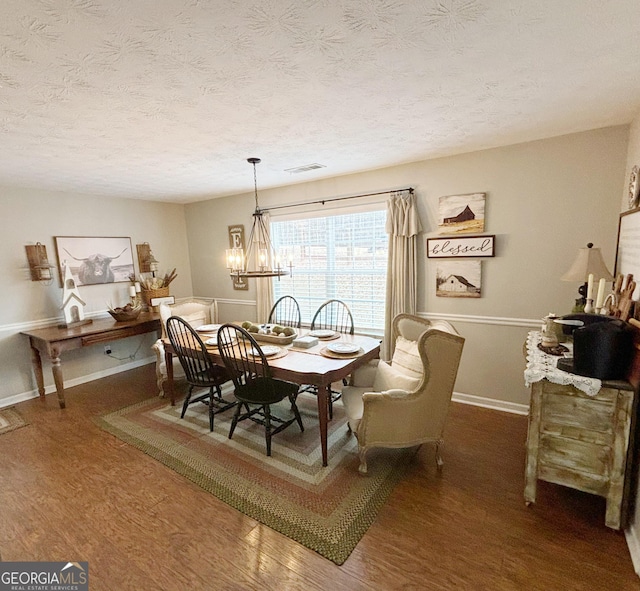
[
  {"x": 168, "y": 363},
  {"x": 56, "y": 368},
  {"x": 533, "y": 443},
  {"x": 323, "y": 405},
  {"x": 36, "y": 361}
]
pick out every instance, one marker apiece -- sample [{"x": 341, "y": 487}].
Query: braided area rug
[
  {"x": 325, "y": 509},
  {"x": 10, "y": 420}
]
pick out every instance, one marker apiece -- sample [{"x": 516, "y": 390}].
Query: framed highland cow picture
[{"x": 95, "y": 260}]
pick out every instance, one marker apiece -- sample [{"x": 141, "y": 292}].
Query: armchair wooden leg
[
  {"x": 363, "y": 462},
  {"x": 439, "y": 460}
]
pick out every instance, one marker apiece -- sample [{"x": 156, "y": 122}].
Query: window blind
[{"x": 340, "y": 256}]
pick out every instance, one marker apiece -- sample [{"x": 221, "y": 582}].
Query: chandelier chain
[{"x": 255, "y": 184}]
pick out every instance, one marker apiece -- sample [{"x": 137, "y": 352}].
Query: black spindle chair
[
  {"x": 255, "y": 389},
  {"x": 198, "y": 367},
  {"x": 332, "y": 315},
  {"x": 286, "y": 312}
]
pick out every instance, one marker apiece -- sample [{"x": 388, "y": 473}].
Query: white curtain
[
  {"x": 264, "y": 285},
  {"x": 403, "y": 226}
]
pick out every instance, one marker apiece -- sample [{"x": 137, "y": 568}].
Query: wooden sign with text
[
  {"x": 236, "y": 240},
  {"x": 461, "y": 247}
]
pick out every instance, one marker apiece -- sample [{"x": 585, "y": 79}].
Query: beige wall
[
  {"x": 545, "y": 200},
  {"x": 29, "y": 216}
]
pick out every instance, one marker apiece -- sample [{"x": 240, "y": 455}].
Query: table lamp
[{"x": 588, "y": 267}]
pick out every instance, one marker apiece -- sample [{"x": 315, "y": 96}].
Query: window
[{"x": 336, "y": 256}]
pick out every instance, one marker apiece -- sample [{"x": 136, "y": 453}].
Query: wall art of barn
[
  {"x": 461, "y": 213},
  {"x": 459, "y": 279}
]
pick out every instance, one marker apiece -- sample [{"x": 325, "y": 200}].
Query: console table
[
  {"x": 53, "y": 341},
  {"x": 580, "y": 432}
]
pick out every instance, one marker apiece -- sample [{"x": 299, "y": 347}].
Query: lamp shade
[{"x": 589, "y": 261}]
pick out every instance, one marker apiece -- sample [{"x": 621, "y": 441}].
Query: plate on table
[
  {"x": 208, "y": 328},
  {"x": 213, "y": 341},
  {"x": 267, "y": 350},
  {"x": 322, "y": 334},
  {"x": 343, "y": 348}
]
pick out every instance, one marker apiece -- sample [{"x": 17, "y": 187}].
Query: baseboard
[
  {"x": 69, "y": 383},
  {"x": 633, "y": 543},
  {"x": 501, "y": 405}
]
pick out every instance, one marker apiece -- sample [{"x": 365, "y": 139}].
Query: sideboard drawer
[
  {"x": 578, "y": 418},
  {"x": 604, "y": 395},
  {"x": 583, "y": 456}
]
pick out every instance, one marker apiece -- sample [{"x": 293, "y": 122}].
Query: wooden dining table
[{"x": 303, "y": 366}]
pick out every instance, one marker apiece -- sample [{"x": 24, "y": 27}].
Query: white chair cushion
[
  {"x": 195, "y": 319},
  {"x": 353, "y": 404},
  {"x": 389, "y": 377},
  {"x": 364, "y": 376},
  {"x": 406, "y": 358}
]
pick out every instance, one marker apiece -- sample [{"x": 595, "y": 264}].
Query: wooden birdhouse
[{"x": 72, "y": 304}]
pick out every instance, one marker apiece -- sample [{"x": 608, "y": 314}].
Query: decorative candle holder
[
  {"x": 588, "y": 307},
  {"x": 549, "y": 334}
]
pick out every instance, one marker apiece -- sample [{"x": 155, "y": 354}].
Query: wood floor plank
[{"x": 71, "y": 491}]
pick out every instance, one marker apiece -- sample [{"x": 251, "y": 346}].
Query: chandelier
[{"x": 260, "y": 252}]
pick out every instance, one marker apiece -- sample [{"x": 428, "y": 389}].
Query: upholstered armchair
[
  {"x": 405, "y": 403},
  {"x": 195, "y": 311}
]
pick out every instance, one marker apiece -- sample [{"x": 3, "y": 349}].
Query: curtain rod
[{"x": 323, "y": 201}]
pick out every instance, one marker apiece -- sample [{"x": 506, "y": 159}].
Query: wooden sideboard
[
  {"x": 53, "y": 341},
  {"x": 581, "y": 441}
]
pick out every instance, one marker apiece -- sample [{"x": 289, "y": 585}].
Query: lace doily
[{"x": 542, "y": 366}]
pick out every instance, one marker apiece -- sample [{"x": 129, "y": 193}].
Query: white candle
[
  {"x": 590, "y": 287},
  {"x": 132, "y": 291},
  {"x": 600, "y": 296},
  {"x": 137, "y": 286}
]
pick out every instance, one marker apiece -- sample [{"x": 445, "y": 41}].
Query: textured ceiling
[{"x": 165, "y": 99}]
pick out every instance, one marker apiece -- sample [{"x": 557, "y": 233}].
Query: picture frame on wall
[
  {"x": 95, "y": 260},
  {"x": 461, "y": 214},
  {"x": 458, "y": 279},
  {"x": 628, "y": 248},
  {"x": 634, "y": 187},
  {"x": 236, "y": 240}
]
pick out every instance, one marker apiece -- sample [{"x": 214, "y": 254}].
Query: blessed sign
[{"x": 467, "y": 246}]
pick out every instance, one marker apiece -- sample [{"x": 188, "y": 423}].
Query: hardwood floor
[{"x": 70, "y": 491}]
